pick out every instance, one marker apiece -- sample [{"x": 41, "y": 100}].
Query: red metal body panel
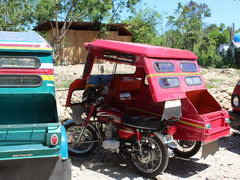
[
  {"x": 166, "y": 94},
  {"x": 202, "y": 118},
  {"x": 236, "y": 91},
  {"x": 235, "y": 113}
]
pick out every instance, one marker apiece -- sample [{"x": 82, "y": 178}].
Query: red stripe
[
  {"x": 27, "y": 71},
  {"x": 20, "y": 45}
]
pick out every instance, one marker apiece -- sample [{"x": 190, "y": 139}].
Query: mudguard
[
  {"x": 64, "y": 144},
  {"x": 35, "y": 169}
]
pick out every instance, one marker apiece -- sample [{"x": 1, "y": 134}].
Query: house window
[{"x": 19, "y": 62}]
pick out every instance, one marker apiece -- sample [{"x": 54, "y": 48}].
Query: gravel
[{"x": 225, "y": 164}]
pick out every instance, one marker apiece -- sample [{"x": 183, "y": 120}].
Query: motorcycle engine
[{"x": 109, "y": 143}]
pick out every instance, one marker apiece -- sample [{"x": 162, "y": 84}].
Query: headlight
[{"x": 236, "y": 101}]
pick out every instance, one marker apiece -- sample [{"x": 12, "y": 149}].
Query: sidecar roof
[
  {"x": 138, "y": 49},
  {"x": 165, "y": 84}
]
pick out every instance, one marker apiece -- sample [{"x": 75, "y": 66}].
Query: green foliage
[
  {"x": 186, "y": 25},
  {"x": 16, "y": 15},
  {"x": 82, "y": 10},
  {"x": 69, "y": 11},
  {"x": 145, "y": 26},
  {"x": 187, "y": 30}
]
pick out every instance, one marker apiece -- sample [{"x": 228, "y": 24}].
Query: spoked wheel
[
  {"x": 154, "y": 158},
  {"x": 86, "y": 144},
  {"x": 186, "y": 149}
]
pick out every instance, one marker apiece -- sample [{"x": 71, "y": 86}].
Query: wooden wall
[{"x": 74, "y": 51}]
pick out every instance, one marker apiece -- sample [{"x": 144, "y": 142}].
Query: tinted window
[
  {"x": 164, "y": 67},
  {"x": 169, "y": 82},
  {"x": 19, "y": 62},
  {"x": 193, "y": 80},
  {"x": 19, "y": 80},
  {"x": 119, "y": 56},
  {"x": 188, "y": 67}
]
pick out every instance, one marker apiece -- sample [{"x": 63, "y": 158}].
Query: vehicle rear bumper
[
  {"x": 235, "y": 120},
  {"x": 211, "y": 127},
  {"x": 35, "y": 169}
]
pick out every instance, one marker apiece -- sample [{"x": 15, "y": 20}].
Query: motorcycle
[{"x": 145, "y": 141}]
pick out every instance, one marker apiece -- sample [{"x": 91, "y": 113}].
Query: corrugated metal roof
[{"x": 121, "y": 28}]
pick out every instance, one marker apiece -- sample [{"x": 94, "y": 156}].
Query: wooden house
[{"x": 80, "y": 32}]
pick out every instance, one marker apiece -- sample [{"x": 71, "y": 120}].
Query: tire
[
  {"x": 162, "y": 153},
  {"x": 187, "y": 149},
  {"x": 72, "y": 136}
]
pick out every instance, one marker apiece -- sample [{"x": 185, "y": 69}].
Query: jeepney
[{"x": 33, "y": 144}]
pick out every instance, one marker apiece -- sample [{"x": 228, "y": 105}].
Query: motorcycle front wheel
[
  {"x": 154, "y": 157},
  {"x": 86, "y": 144},
  {"x": 186, "y": 149}
]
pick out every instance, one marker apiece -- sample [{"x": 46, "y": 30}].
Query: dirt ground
[{"x": 225, "y": 164}]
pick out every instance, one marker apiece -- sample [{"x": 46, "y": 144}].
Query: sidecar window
[
  {"x": 164, "y": 67},
  {"x": 193, "y": 80},
  {"x": 188, "y": 67},
  {"x": 169, "y": 82},
  {"x": 107, "y": 68}
]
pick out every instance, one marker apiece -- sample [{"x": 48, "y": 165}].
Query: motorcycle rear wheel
[
  {"x": 154, "y": 159},
  {"x": 89, "y": 140}
]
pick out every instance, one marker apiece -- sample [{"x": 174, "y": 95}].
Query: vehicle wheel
[
  {"x": 154, "y": 159},
  {"x": 186, "y": 149},
  {"x": 88, "y": 142}
]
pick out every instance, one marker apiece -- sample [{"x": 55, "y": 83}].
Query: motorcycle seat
[{"x": 142, "y": 122}]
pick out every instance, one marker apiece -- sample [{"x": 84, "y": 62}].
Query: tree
[
  {"x": 187, "y": 24},
  {"x": 69, "y": 11},
  {"x": 145, "y": 26},
  {"x": 16, "y": 15}
]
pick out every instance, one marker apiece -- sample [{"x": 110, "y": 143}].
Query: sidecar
[
  {"x": 158, "y": 82},
  {"x": 33, "y": 143}
]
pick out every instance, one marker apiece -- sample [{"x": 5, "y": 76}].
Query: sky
[{"x": 223, "y": 11}]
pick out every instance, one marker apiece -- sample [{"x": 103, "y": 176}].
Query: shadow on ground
[
  {"x": 231, "y": 143},
  {"x": 119, "y": 168},
  {"x": 185, "y": 168}
]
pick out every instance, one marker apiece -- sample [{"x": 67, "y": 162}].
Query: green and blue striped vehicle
[{"x": 33, "y": 144}]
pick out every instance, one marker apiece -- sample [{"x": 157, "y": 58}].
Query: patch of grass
[
  {"x": 213, "y": 83},
  {"x": 63, "y": 84}
]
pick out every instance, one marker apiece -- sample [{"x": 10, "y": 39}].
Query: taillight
[
  {"x": 54, "y": 139},
  {"x": 171, "y": 130}
]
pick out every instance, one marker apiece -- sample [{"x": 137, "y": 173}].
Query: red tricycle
[
  {"x": 150, "y": 105},
  {"x": 235, "y": 113}
]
